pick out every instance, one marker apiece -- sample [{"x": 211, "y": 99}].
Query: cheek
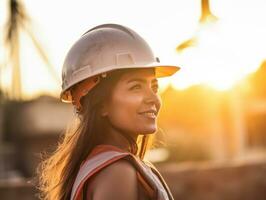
[
  {"x": 123, "y": 114},
  {"x": 123, "y": 110}
]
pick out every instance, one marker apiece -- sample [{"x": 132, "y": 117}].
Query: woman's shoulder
[
  {"x": 119, "y": 179},
  {"x": 116, "y": 169}
]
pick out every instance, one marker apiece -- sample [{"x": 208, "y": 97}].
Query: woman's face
[{"x": 134, "y": 103}]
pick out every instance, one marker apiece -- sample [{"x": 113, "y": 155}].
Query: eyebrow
[{"x": 141, "y": 80}]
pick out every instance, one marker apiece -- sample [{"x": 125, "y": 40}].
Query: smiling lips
[{"x": 149, "y": 114}]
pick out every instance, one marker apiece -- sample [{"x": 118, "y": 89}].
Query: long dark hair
[{"x": 57, "y": 173}]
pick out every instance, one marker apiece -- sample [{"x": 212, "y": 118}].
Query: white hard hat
[{"x": 106, "y": 48}]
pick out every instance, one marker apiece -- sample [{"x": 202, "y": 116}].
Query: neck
[{"x": 116, "y": 138}]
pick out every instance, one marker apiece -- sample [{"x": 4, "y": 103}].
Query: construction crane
[{"x": 19, "y": 21}]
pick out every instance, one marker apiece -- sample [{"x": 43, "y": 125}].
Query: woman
[{"x": 110, "y": 76}]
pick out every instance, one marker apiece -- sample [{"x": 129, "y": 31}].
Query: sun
[{"x": 217, "y": 57}]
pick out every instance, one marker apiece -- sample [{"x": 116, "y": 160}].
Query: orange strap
[{"x": 81, "y": 89}]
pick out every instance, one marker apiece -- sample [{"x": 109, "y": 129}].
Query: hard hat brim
[
  {"x": 165, "y": 70},
  {"x": 160, "y": 72}
]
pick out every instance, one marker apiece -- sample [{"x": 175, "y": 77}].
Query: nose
[{"x": 152, "y": 98}]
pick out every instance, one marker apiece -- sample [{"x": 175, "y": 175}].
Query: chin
[{"x": 148, "y": 131}]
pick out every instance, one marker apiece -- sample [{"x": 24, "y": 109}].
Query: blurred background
[{"x": 212, "y": 138}]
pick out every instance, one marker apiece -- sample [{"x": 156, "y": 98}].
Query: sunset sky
[{"x": 226, "y": 51}]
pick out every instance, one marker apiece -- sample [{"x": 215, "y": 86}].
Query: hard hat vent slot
[{"x": 124, "y": 59}]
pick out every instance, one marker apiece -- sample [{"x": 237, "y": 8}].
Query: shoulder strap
[
  {"x": 154, "y": 177},
  {"x": 84, "y": 191},
  {"x": 155, "y": 171},
  {"x": 152, "y": 182},
  {"x": 91, "y": 167}
]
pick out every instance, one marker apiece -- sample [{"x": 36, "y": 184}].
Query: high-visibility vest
[{"x": 103, "y": 155}]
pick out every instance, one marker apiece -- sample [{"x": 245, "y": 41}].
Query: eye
[{"x": 135, "y": 87}]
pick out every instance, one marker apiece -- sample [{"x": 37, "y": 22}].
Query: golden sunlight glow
[
  {"x": 220, "y": 53},
  {"x": 157, "y": 155}
]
